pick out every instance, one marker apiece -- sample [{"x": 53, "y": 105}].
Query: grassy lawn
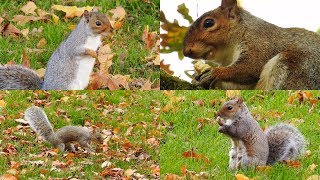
[
  {"x": 129, "y": 49},
  {"x": 182, "y": 133},
  {"x": 128, "y": 121}
]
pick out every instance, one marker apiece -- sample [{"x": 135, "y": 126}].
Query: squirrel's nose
[{"x": 187, "y": 51}]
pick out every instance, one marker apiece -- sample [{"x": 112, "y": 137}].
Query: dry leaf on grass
[
  {"x": 29, "y": 8},
  {"x": 105, "y": 56},
  {"x": 21, "y": 19},
  {"x": 72, "y": 11},
  {"x": 149, "y": 38},
  {"x": 117, "y": 17},
  {"x": 41, "y": 43},
  {"x": 25, "y": 59},
  {"x": 10, "y": 30}
]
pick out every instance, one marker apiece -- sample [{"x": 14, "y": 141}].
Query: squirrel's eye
[
  {"x": 98, "y": 23},
  {"x": 208, "y": 23},
  {"x": 230, "y": 108}
]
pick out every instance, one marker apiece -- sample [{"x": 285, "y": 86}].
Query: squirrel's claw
[{"x": 206, "y": 79}]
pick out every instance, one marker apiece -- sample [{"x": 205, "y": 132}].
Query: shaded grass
[
  {"x": 80, "y": 107},
  {"x": 265, "y": 106},
  {"x": 130, "y": 51}
]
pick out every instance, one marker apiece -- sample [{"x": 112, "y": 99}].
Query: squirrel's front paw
[
  {"x": 222, "y": 129},
  {"x": 206, "y": 79}
]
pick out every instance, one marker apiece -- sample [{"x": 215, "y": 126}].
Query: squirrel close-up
[
  {"x": 63, "y": 137},
  {"x": 251, "y": 146},
  {"x": 252, "y": 53},
  {"x": 70, "y": 65}
]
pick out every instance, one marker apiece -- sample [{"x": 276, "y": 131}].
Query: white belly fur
[{"x": 85, "y": 64}]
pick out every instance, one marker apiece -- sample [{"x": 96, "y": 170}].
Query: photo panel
[{"x": 80, "y": 134}]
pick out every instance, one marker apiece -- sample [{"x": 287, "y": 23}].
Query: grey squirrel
[
  {"x": 70, "y": 65},
  {"x": 252, "y": 53},
  {"x": 63, "y": 137},
  {"x": 250, "y": 145}
]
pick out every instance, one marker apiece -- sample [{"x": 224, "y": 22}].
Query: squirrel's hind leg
[
  {"x": 61, "y": 147},
  {"x": 288, "y": 70},
  {"x": 85, "y": 145}
]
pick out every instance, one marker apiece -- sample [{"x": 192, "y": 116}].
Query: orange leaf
[
  {"x": 25, "y": 60},
  {"x": 241, "y": 177},
  {"x": 149, "y": 38},
  {"x": 165, "y": 67},
  {"x": 293, "y": 164},
  {"x": 184, "y": 169}
]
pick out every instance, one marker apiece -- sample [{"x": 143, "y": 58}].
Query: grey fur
[
  {"x": 62, "y": 66},
  {"x": 285, "y": 143},
  {"x": 64, "y": 136},
  {"x": 18, "y": 77}
]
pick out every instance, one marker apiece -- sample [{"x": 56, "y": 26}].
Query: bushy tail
[
  {"x": 18, "y": 77},
  {"x": 39, "y": 122},
  {"x": 285, "y": 143}
]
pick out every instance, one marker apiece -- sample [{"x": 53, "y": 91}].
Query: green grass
[
  {"x": 80, "y": 107},
  {"x": 129, "y": 49},
  {"x": 184, "y": 135}
]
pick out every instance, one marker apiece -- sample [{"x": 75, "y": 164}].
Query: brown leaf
[
  {"x": 41, "y": 43},
  {"x": 192, "y": 154},
  {"x": 1, "y": 20},
  {"x": 100, "y": 80},
  {"x": 117, "y": 17},
  {"x": 8, "y": 177},
  {"x": 166, "y": 68},
  {"x": 105, "y": 56},
  {"x": 10, "y": 30},
  {"x": 25, "y": 59},
  {"x": 149, "y": 38},
  {"x": 172, "y": 177},
  {"x": 29, "y": 8},
  {"x": 292, "y": 164},
  {"x": 21, "y": 19},
  {"x": 265, "y": 169}
]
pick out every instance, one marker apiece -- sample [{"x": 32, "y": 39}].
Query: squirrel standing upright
[
  {"x": 70, "y": 65},
  {"x": 63, "y": 137},
  {"x": 250, "y": 145},
  {"x": 251, "y": 52}
]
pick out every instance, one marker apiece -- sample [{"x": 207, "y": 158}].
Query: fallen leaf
[
  {"x": 41, "y": 43},
  {"x": 172, "y": 177},
  {"x": 241, "y": 177},
  {"x": 2, "y": 103},
  {"x": 292, "y": 163},
  {"x": 117, "y": 17},
  {"x": 72, "y": 11},
  {"x": 29, "y": 8},
  {"x": 265, "y": 169},
  {"x": 25, "y": 59},
  {"x": 105, "y": 56},
  {"x": 25, "y": 33},
  {"x": 8, "y": 177},
  {"x": 166, "y": 67},
  {"x": 233, "y": 93},
  {"x": 314, "y": 177},
  {"x": 10, "y": 30},
  {"x": 149, "y": 38},
  {"x": 21, "y": 19},
  {"x": 312, "y": 167},
  {"x": 156, "y": 61},
  {"x": 41, "y": 72}
]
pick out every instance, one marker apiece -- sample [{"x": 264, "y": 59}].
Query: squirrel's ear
[
  {"x": 228, "y": 4},
  {"x": 231, "y": 7},
  {"x": 240, "y": 100},
  {"x": 86, "y": 15}
]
